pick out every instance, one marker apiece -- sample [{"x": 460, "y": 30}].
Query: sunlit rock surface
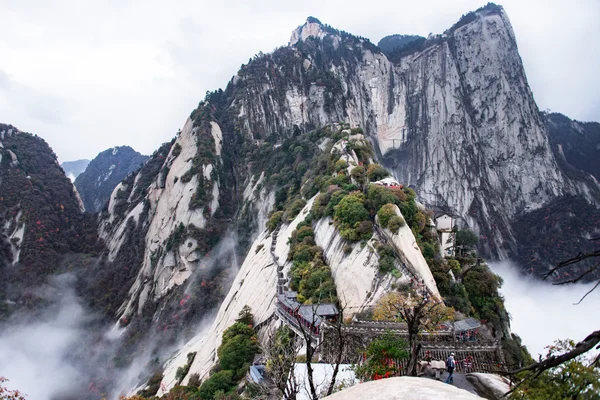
[{"x": 404, "y": 388}]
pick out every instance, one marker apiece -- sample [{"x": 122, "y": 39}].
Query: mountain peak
[{"x": 312, "y": 27}]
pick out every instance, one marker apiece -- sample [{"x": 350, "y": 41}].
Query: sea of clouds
[{"x": 542, "y": 313}]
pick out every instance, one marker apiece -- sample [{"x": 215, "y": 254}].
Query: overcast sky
[{"x": 89, "y": 75}]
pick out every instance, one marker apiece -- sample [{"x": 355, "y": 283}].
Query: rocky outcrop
[
  {"x": 407, "y": 249},
  {"x": 166, "y": 206},
  {"x": 403, "y": 388},
  {"x": 490, "y": 386}
]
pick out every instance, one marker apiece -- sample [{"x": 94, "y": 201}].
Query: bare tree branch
[
  {"x": 581, "y": 276},
  {"x": 578, "y": 258},
  {"x": 589, "y": 291},
  {"x": 585, "y": 345},
  {"x": 536, "y": 369}
]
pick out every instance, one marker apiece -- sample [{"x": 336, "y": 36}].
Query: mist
[
  {"x": 64, "y": 351},
  {"x": 41, "y": 353},
  {"x": 541, "y": 312}
]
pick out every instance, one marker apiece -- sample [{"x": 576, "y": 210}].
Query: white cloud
[
  {"x": 130, "y": 72},
  {"x": 542, "y": 313}
]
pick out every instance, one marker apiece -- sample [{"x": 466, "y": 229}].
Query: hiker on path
[{"x": 450, "y": 364}]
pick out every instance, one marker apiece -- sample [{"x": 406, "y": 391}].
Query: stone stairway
[{"x": 281, "y": 279}]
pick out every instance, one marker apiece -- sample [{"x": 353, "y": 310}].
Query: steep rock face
[
  {"x": 174, "y": 231},
  {"x": 475, "y": 143},
  {"x": 168, "y": 201},
  {"x": 104, "y": 172},
  {"x": 74, "y": 168}
]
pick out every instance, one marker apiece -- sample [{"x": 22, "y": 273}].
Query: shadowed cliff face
[{"x": 575, "y": 143}]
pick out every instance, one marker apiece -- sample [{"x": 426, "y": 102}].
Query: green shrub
[
  {"x": 189, "y": 174},
  {"x": 237, "y": 353},
  {"x": 482, "y": 287},
  {"x": 409, "y": 211},
  {"x": 237, "y": 329},
  {"x": 320, "y": 204},
  {"x": 421, "y": 221},
  {"x": 340, "y": 180},
  {"x": 176, "y": 150},
  {"x": 245, "y": 316},
  {"x": 176, "y": 238},
  {"x": 454, "y": 266},
  {"x": 466, "y": 240},
  {"x": 274, "y": 220},
  {"x": 222, "y": 380},
  {"x": 378, "y": 354},
  {"x": 376, "y": 172},
  {"x": 183, "y": 370},
  {"x": 153, "y": 385},
  {"x": 378, "y": 196},
  {"x": 358, "y": 173},
  {"x": 193, "y": 381},
  {"x": 385, "y": 213},
  {"x": 387, "y": 258},
  {"x": 303, "y": 233},
  {"x": 386, "y": 265},
  {"x": 305, "y": 253},
  {"x": 399, "y": 194},
  {"x": 352, "y": 218},
  {"x": 295, "y": 208},
  {"x": 395, "y": 223},
  {"x": 334, "y": 200},
  {"x": 351, "y": 209},
  {"x": 428, "y": 250},
  {"x": 340, "y": 165},
  {"x": 364, "y": 230}
]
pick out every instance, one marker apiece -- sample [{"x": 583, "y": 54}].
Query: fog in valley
[
  {"x": 49, "y": 355},
  {"x": 62, "y": 350},
  {"x": 542, "y": 312}
]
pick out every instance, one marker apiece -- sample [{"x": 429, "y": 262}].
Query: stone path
[{"x": 460, "y": 381}]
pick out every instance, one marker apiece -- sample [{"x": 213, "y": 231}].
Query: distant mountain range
[{"x": 104, "y": 172}]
